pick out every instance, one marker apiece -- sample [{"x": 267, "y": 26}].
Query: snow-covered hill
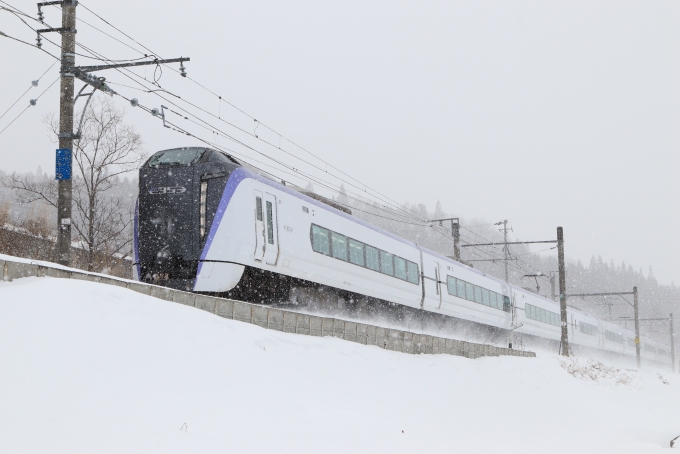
[{"x": 87, "y": 367}]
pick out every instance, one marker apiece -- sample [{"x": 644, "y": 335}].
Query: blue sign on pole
[{"x": 63, "y": 171}]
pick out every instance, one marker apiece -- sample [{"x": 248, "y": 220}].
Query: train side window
[
  {"x": 258, "y": 208},
  {"x": 496, "y": 300},
  {"x": 461, "y": 288},
  {"x": 372, "y": 258},
  {"x": 506, "y": 303},
  {"x": 321, "y": 240},
  {"x": 339, "y": 245},
  {"x": 469, "y": 292},
  {"x": 478, "y": 295},
  {"x": 386, "y": 264},
  {"x": 412, "y": 272},
  {"x": 451, "y": 285},
  {"x": 356, "y": 252},
  {"x": 485, "y": 297},
  {"x": 399, "y": 268},
  {"x": 270, "y": 223}
]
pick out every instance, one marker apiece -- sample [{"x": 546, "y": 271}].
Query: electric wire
[
  {"x": 29, "y": 105},
  {"x": 27, "y": 90},
  {"x": 29, "y": 44}
]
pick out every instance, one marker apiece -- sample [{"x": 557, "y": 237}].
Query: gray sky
[{"x": 544, "y": 113}]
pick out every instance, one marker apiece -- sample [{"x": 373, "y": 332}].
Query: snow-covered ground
[{"x": 87, "y": 367}]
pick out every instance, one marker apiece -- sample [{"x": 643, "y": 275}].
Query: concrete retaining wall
[{"x": 278, "y": 319}]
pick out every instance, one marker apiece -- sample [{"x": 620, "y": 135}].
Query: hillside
[{"x": 88, "y": 367}]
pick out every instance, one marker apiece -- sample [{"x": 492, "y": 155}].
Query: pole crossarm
[
  {"x": 509, "y": 242},
  {"x": 126, "y": 65},
  {"x": 58, "y": 30},
  {"x": 446, "y": 219}
]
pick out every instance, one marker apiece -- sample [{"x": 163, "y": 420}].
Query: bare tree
[{"x": 107, "y": 149}]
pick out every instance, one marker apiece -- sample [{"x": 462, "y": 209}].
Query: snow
[{"x": 88, "y": 367}]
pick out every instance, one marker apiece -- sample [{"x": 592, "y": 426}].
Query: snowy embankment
[{"x": 87, "y": 367}]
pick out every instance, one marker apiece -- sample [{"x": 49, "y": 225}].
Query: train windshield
[{"x": 178, "y": 156}]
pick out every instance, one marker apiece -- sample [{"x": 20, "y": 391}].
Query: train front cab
[{"x": 179, "y": 193}]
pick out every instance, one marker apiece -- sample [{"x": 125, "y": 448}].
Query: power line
[
  {"x": 33, "y": 84},
  {"x": 32, "y": 103}
]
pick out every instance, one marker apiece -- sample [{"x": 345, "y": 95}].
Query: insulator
[
  {"x": 38, "y": 41},
  {"x": 41, "y": 17},
  {"x": 134, "y": 102},
  {"x": 155, "y": 112},
  {"x": 182, "y": 69}
]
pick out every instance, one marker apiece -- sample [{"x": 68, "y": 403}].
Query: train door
[
  {"x": 259, "y": 226},
  {"x": 271, "y": 248},
  {"x": 437, "y": 284}
]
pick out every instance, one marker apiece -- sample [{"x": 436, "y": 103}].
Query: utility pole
[
  {"x": 65, "y": 151},
  {"x": 637, "y": 325},
  {"x": 455, "y": 232},
  {"x": 506, "y": 251},
  {"x": 69, "y": 72},
  {"x": 455, "y": 227},
  {"x": 564, "y": 340}
]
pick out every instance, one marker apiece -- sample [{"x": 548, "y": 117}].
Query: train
[{"x": 205, "y": 222}]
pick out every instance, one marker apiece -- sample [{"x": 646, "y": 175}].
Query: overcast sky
[{"x": 543, "y": 113}]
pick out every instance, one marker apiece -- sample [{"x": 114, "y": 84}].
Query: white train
[{"x": 208, "y": 224}]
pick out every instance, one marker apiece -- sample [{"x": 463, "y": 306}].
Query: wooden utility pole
[
  {"x": 637, "y": 326},
  {"x": 564, "y": 340}
]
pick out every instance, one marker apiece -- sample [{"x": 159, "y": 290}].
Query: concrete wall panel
[
  {"x": 242, "y": 311},
  {"x": 224, "y": 308},
  {"x": 205, "y": 303},
  {"x": 185, "y": 298}
]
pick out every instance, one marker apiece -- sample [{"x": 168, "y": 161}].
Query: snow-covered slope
[{"x": 87, "y": 367}]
